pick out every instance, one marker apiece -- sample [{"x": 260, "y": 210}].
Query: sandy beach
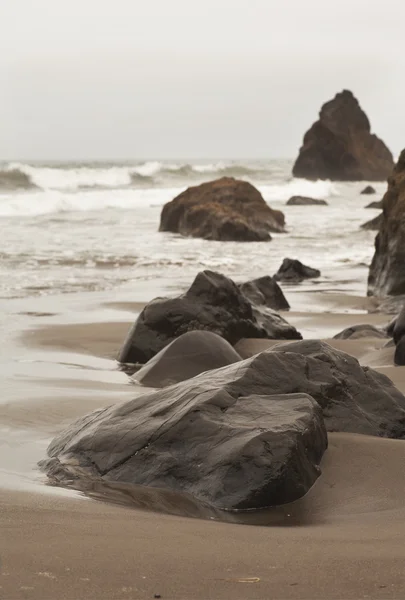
[{"x": 344, "y": 539}]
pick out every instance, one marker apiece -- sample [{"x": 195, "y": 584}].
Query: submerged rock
[
  {"x": 364, "y": 330},
  {"x": 187, "y": 356},
  {"x": 292, "y": 270},
  {"x": 305, "y": 201},
  {"x": 387, "y": 273},
  {"x": 226, "y": 209},
  {"x": 368, "y": 190},
  {"x": 340, "y": 146},
  {"x": 212, "y": 303},
  {"x": 247, "y": 435},
  {"x": 373, "y": 224},
  {"x": 265, "y": 291}
]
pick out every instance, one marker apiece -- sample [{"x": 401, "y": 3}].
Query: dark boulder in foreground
[
  {"x": 364, "y": 330},
  {"x": 265, "y": 291},
  {"x": 225, "y": 210},
  {"x": 305, "y": 201},
  {"x": 340, "y": 145},
  {"x": 396, "y": 328},
  {"x": 387, "y": 273},
  {"x": 212, "y": 303},
  {"x": 368, "y": 190},
  {"x": 373, "y": 224},
  {"x": 377, "y": 204},
  {"x": 227, "y": 446},
  {"x": 247, "y": 435},
  {"x": 187, "y": 356},
  {"x": 294, "y": 271}
]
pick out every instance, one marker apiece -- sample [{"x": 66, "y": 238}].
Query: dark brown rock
[
  {"x": 226, "y": 209},
  {"x": 387, "y": 273},
  {"x": 265, "y": 291},
  {"x": 305, "y": 201},
  {"x": 377, "y": 204},
  {"x": 373, "y": 224},
  {"x": 340, "y": 146},
  {"x": 294, "y": 271},
  {"x": 212, "y": 303},
  {"x": 368, "y": 190}
]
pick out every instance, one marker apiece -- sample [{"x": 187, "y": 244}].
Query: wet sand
[{"x": 344, "y": 539}]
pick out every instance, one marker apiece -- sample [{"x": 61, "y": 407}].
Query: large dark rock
[
  {"x": 294, "y": 271},
  {"x": 340, "y": 146},
  {"x": 233, "y": 450},
  {"x": 265, "y": 291},
  {"x": 187, "y": 356},
  {"x": 226, "y": 209},
  {"x": 356, "y": 332},
  {"x": 368, "y": 190},
  {"x": 387, "y": 273},
  {"x": 212, "y": 303},
  {"x": 397, "y": 326},
  {"x": 305, "y": 201},
  {"x": 373, "y": 224},
  {"x": 244, "y": 436},
  {"x": 377, "y": 204}
]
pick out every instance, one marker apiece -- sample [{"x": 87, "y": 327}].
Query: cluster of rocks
[
  {"x": 233, "y": 433},
  {"x": 247, "y": 435}
]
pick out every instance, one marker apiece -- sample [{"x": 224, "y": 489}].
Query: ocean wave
[
  {"x": 76, "y": 177},
  {"x": 15, "y": 179}
]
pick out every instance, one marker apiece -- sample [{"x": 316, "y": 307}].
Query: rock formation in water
[
  {"x": 387, "y": 272},
  {"x": 293, "y": 271},
  {"x": 226, "y": 209},
  {"x": 368, "y": 190},
  {"x": 340, "y": 146},
  {"x": 212, "y": 303},
  {"x": 245, "y": 436},
  {"x": 376, "y": 204},
  {"x": 305, "y": 201}
]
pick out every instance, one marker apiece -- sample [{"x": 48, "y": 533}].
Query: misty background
[{"x": 122, "y": 79}]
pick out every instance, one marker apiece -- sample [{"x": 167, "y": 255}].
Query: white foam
[{"x": 320, "y": 190}]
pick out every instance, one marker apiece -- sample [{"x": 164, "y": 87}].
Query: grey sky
[{"x": 179, "y": 78}]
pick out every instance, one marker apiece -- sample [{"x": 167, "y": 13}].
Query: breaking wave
[
  {"x": 75, "y": 177},
  {"x": 15, "y": 179}
]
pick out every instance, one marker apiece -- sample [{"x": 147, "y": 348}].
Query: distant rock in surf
[
  {"x": 305, "y": 201},
  {"x": 294, "y": 271},
  {"x": 368, "y": 190},
  {"x": 226, "y": 209},
  {"x": 340, "y": 145},
  {"x": 375, "y": 204},
  {"x": 212, "y": 303},
  {"x": 387, "y": 273}
]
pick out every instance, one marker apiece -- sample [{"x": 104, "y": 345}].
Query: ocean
[{"x": 82, "y": 226}]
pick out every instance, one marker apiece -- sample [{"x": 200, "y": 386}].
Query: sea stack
[
  {"x": 387, "y": 274},
  {"x": 340, "y": 145}
]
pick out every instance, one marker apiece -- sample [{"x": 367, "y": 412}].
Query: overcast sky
[{"x": 100, "y": 79}]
